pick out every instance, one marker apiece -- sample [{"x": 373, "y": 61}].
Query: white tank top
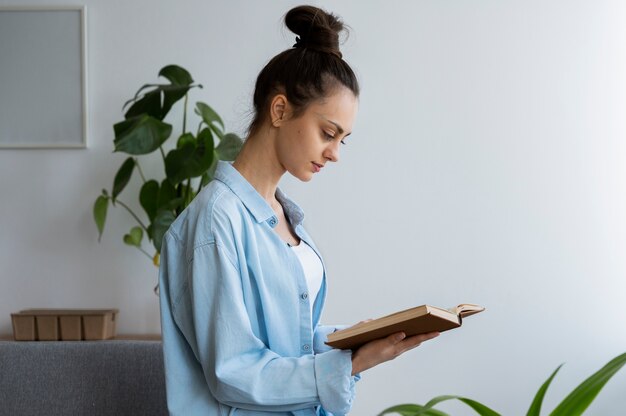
[{"x": 313, "y": 270}]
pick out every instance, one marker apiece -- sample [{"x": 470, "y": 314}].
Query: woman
[{"x": 242, "y": 283}]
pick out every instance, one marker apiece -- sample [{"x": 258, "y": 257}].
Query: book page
[{"x": 466, "y": 309}]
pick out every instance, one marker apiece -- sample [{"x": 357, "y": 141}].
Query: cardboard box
[
  {"x": 23, "y": 327},
  {"x": 64, "y": 324}
]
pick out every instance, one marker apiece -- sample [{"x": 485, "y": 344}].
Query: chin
[{"x": 303, "y": 176}]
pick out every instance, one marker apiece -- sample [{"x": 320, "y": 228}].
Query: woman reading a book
[{"x": 242, "y": 283}]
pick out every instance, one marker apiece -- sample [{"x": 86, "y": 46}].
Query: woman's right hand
[{"x": 378, "y": 351}]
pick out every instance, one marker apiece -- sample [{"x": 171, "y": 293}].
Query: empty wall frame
[{"x": 43, "y": 98}]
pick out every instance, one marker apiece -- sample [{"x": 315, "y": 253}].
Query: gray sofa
[{"x": 113, "y": 377}]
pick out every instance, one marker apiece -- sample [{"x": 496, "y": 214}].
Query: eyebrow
[{"x": 339, "y": 128}]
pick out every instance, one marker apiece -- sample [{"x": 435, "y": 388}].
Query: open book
[{"x": 413, "y": 321}]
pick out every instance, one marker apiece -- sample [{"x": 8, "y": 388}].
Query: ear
[{"x": 278, "y": 109}]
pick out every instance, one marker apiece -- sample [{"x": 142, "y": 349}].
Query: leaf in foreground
[
  {"x": 411, "y": 410},
  {"x": 582, "y": 396},
  {"x": 479, "y": 408},
  {"x": 535, "y": 407}
]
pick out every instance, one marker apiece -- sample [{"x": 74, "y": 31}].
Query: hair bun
[{"x": 316, "y": 29}]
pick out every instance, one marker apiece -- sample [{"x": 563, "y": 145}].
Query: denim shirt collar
[{"x": 254, "y": 202}]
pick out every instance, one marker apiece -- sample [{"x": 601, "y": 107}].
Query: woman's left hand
[{"x": 381, "y": 350}]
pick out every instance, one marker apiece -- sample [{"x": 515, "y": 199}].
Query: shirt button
[
  {"x": 273, "y": 221},
  {"x": 304, "y": 296},
  {"x": 306, "y": 347}
]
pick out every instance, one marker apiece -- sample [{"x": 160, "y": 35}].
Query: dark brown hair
[{"x": 310, "y": 70}]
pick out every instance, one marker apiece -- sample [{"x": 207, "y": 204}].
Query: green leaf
[
  {"x": 100, "y": 213},
  {"x": 218, "y": 132},
  {"x": 535, "y": 407},
  {"x": 134, "y": 237},
  {"x": 173, "y": 204},
  {"x": 167, "y": 193},
  {"x": 412, "y": 409},
  {"x": 209, "y": 174},
  {"x": 190, "y": 160},
  {"x": 160, "y": 225},
  {"x": 140, "y": 135},
  {"x": 184, "y": 139},
  {"x": 148, "y": 198},
  {"x": 583, "y": 395},
  {"x": 206, "y": 178},
  {"x": 481, "y": 409},
  {"x": 229, "y": 147},
  {"x": 123, "y": 176},
  {"x": 209, "y": 116},
  {"x": 149, "y": 104},
  {"x": 158, "y": 102},
  {"x": 204, "y": 152},
  {"x": 176, "y": 75},
  {"x": 171, "y": 94},
  {"x": 176, "y": 163},
  {"x": 143, "y": 87}
]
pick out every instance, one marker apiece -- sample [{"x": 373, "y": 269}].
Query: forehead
[{"x": 339, "y": 107}]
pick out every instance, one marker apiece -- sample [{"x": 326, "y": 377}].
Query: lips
[{"x": 317, "y": 167}]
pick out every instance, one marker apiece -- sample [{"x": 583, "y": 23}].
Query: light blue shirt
[{"x": 238, "y": 335}]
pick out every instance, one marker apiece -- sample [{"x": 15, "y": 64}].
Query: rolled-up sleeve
[
  {"x": 320, "y": 337},
  {"x": 336, "y": 393}
]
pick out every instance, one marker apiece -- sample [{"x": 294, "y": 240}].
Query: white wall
[{"x": 486, "y": 166}]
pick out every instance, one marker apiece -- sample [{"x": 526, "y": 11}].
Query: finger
[
  {"x": 416, "y": 340},
  {"x": 361, "y": 323},
  {"x": 430, "y": 335},
  {"x": 396, "y": 338}
]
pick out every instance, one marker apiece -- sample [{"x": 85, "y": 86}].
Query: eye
[{"x": 327, "y": 136}]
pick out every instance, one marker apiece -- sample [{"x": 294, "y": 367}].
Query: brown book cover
[{"x": 412, "y": 321}]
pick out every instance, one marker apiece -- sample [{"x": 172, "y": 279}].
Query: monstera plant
[
  {"x": 574, "y": 404},
  {"x": 188, "y": 165}
]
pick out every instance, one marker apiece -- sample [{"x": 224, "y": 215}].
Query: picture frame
[{"x": 43, "y": 77}]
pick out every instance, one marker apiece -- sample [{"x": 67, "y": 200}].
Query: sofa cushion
[{"x": 114, "y": 377}]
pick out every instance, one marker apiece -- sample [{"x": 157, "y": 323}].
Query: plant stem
[
  {"x": 133, "y": 214},
  {"x": 139, "y": 170},
  {"x": 162, "y": 153},
  {"x": 185, "y": 113},
  {"x": 145, "y": 252}
]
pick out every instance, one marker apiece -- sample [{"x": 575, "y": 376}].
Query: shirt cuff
[
  {"x": 335, "y": 383},
  {"x": 321, "y": 336}
]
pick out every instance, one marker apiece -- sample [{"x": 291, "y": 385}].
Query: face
[{"x": 305, "y": 144}]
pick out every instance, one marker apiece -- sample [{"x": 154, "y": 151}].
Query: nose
[{"x": 332, "y": 152}]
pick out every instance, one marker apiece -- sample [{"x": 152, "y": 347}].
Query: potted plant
[
  {"x": 573, "y": 405},
  {"x": 188, "y": 166}
]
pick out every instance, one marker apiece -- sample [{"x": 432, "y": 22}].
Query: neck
[{"x": 258, "y": 163}]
